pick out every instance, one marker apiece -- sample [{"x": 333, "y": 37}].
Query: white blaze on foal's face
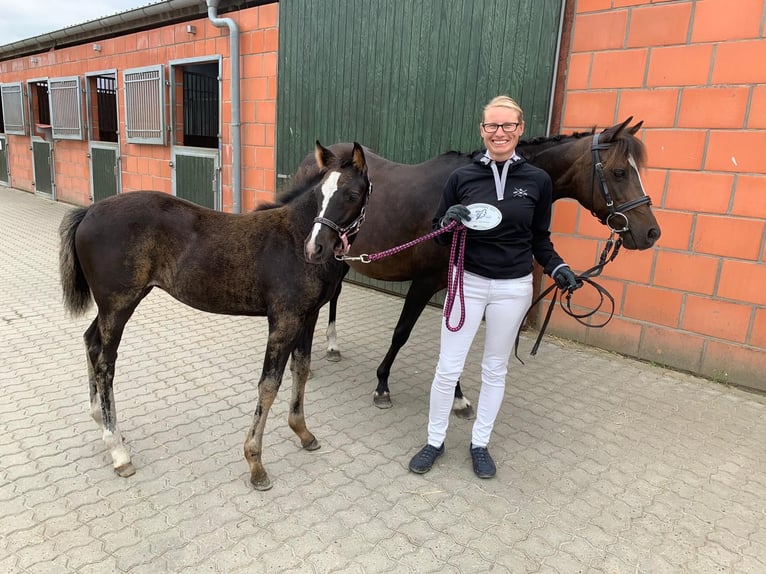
[{"x": 329, "y": 187}]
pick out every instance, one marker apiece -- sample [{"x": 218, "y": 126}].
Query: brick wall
[
  {"x": 148, "y": 166},
  {"x": 695, "y": 72}
]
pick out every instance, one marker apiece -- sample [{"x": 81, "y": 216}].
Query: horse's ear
[
  {"x": 611, "y": 134},
  {"x": 360, "y": 162},
  {"x": 633, "y": 130},
  {"x": 323, "y": 156}
]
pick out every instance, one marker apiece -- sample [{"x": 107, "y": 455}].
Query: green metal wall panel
[
  {"x": 41, "y": 157},
  {"x": 195, "y": 179},
  {"x": 104, "y": 170},
  {"x": 4, "y": 177},
  {"x": 408, "y": 78}
]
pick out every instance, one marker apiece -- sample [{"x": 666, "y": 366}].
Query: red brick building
[{"x": 692, "y": 70}]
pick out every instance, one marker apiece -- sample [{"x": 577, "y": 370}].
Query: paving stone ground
[{"x": 605, "y": 464}]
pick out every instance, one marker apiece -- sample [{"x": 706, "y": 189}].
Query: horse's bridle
[
  {"x": 352, "y": 228},
  {"x": 614, "y": 212}
]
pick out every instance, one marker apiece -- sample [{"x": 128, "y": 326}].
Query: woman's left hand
[{"x": 565, "y": 279}]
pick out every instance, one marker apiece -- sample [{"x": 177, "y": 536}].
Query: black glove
[
  {"x": 565, "y": 279},
  {"x": 457, "y": 213}
]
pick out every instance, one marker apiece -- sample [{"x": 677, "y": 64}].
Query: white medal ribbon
[{"x": 500, "y": 181}]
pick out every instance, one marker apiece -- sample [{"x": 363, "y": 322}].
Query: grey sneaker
[{"x": 422, "y": 462}]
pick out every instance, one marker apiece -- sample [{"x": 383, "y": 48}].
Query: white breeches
[{"x": 503, "y": 303}]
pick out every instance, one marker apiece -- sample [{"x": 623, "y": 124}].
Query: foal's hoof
[
  {"x": 466, "y": 412},
  {"x": 312, "y": 445},
  {"x": 125, "y": 470},
  {"x": 261, "y": 483},
  {"x": 382, "y": 401},
  {"x": 333, "y": 355}
]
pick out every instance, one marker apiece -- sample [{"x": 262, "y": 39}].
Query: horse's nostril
[{"x": 654, "y": 233}]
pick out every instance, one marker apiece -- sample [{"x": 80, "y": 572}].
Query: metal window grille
[
  {"x": 66, "y": 108},
  {"x": 13, "y": 108},
  {"x": 200, "y": 108},
  {"x": 43, "y": 106},
  {"x": 106, "y": 99},
  {"x": 145, "y": 105}
]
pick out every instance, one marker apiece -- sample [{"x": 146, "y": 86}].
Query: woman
[{"x": 506, "y": 205}]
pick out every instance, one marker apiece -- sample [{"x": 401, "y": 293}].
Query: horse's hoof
[
  {"x": 313, "y": 445},
  {"x": 333, "y": 355},
  {"x": 465, "y": 413},
  {"x": 125, "y": 470},
  {"x": 382, "y": 401},
  {"x": 262, "y": 483}
]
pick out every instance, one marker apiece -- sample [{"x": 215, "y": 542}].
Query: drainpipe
[{"x": 236, "y": 126}]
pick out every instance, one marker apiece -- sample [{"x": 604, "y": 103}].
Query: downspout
[{"x": 236, "y": 126}]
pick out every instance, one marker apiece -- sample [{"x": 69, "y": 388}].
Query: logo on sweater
[{"x": 519, "y": 192}]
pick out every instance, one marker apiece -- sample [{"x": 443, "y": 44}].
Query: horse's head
[
  {"x": 342, "y": 197},
  {"x": 618, "y": 197}
]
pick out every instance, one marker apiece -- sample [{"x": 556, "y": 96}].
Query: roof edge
[{"x": 135, "y": 20}]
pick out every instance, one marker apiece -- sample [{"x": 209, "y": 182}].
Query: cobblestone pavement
[{"x": 605, "y": 464}]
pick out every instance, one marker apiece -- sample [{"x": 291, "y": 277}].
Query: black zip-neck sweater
[{"x": 506, "y": 251}]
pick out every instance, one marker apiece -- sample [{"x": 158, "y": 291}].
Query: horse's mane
[
  {"x": 453, "y": 152},
  {"x": 626, "y": 143},
  {"x": 555, "y": 139}
]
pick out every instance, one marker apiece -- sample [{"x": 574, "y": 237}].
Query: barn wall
[{"x": 693, "y": 71}]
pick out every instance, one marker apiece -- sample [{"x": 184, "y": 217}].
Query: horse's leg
[
  {"x": 418, "y": 295},
  {"x": 333, "y": 351},
  {"x": 300, "y": 365},
  {"x": 92, "y": 351},
  {"x": 281, "y": 342},
  {"x": 107, "y": 336}
]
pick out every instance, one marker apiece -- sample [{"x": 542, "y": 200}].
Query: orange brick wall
[
  {"x": 695, "y": 72},
  {"x": 148, "y": 166}
]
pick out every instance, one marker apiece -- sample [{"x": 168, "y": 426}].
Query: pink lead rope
[{"x": 454, "y": 275}]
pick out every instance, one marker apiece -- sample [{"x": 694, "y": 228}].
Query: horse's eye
[
  {"x": 619, "y": 172},
  {"x": 354, "y": 196}
]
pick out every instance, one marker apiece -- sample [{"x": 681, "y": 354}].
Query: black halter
[
  {"x": 353, "y": 227},
  {"x": 614, "y": 212}
]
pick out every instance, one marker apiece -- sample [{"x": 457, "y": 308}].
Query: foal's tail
[{"x": 77, "y": 295}]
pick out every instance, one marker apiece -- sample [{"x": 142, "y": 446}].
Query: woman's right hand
[{"x": 457, "y": 212}]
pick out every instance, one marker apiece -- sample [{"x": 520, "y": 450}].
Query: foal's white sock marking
[{"x": 113, "y": 441}]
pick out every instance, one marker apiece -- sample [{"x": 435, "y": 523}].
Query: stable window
[
  {"x": 200, "y": 105},
  {"x": 66, "y": 108},
  {"x": 13, "y": 108},
  {"x": 102, "y": 90},
  {"x": 145, "y": 105}
]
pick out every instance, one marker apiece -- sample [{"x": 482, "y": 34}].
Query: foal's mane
[{"x": 294, "y": 192}]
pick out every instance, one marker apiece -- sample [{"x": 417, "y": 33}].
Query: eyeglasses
[{"x": 508, "y": 127}]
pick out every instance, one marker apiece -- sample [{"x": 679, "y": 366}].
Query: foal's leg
[
  {"x": 281, "y": 342},
  {"x": 300, "y": 366},
  {"x": 92, "y": 350},
  {"x": 108, "y": 335}
]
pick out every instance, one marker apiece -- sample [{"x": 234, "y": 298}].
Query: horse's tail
[{"x": 77, "y": 294}]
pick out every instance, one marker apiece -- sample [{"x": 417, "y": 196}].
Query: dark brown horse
[
  {"x": 600, "y": 171},
  {"x": 277, "y": 263}
]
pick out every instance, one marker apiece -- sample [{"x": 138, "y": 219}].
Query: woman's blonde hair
[{"x": 504, "y": 102}]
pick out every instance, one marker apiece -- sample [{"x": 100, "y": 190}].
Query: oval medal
[{"x": 483, "y": 216}]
